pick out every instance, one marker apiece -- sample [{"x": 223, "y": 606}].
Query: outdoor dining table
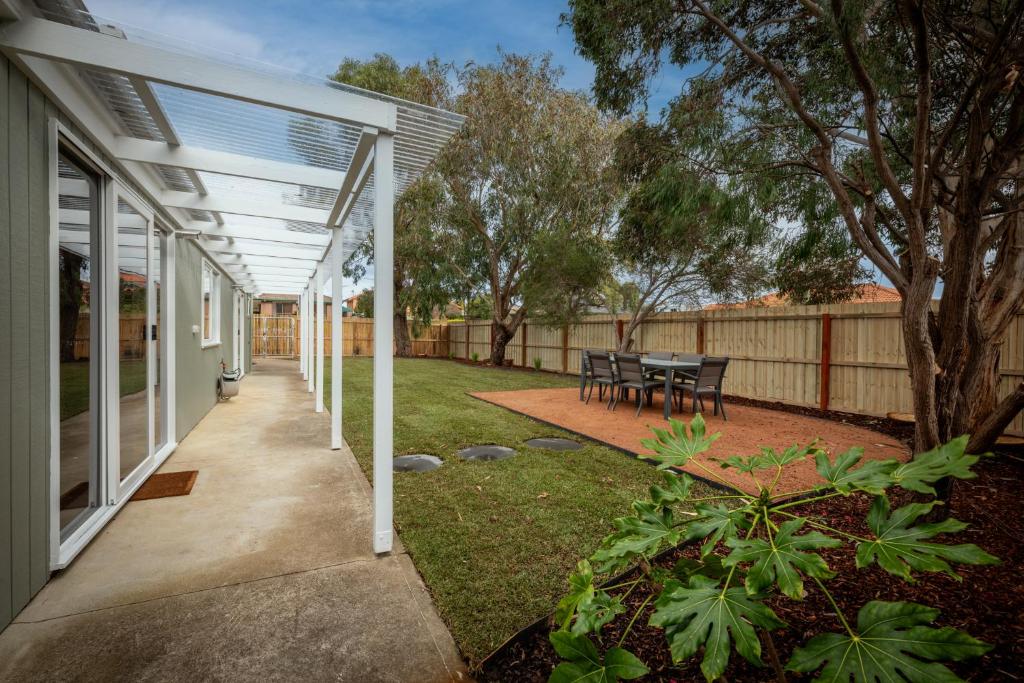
[{"x": 669, "y": 367}]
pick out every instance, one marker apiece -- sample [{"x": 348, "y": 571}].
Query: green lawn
[
  {"x": 74, "y": 384},
  {"x": 494, "y": 541}
]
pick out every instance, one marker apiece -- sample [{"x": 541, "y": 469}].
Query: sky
[{"x": 313, "y": 38}]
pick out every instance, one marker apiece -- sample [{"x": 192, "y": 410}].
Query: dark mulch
[{"x": 988, "y": 603}]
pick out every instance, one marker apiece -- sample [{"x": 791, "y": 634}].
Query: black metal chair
[
  {"x": 603, "y": 375},
  {"x": 631, "y": 376},
  {"x": 689, "y": 358},
  {"x": 708, "y": 380},
  {"x": 586, "y": 372}
]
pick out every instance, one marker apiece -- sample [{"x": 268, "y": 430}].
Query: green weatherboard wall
[{"x": 24, "y": 337}]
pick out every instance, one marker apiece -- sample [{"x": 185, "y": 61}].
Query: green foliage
[
  {"x": 890, "y": 637},
  {"x": 762, "y": 541},
  {"x": 585, "y": 663},
  {"x": 528, "y": 192},
  {"x": 538, "y": 362},
  {"x": 474, "y": 356},
  {"x": 364, "y": 304}
]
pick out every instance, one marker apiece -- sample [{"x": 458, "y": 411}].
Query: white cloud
[{"x": 198, "y": 25}]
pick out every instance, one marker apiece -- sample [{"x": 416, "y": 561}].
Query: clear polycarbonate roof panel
[{"x": 222, "y": 124}]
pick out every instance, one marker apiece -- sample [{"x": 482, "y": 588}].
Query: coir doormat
[{"x": 167, "y": 484}]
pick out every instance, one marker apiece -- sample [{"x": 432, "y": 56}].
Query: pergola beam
[
  {"x": 57, "y": 42},
  {"x": 311, "y": 254},
  {"x": 242, "y": 207},
  {"x": 236, "y": 231},
  {"x": 359, "y": 170},
  {"x": 239, "y": 165}
]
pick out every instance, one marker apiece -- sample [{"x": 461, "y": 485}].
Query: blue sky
[{"x": 314, "y": 37}]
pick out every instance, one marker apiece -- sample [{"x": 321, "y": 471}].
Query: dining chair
[
  {"x": 587, "y": 377},
  {"x": 707, "y": 380},
  {"x": 632, "y": 376},
  {"x": 688, "y": 358},
  {"x": 603, "y": 375}
]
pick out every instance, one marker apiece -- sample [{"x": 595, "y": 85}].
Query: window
[{"x": 211, "y": 304}]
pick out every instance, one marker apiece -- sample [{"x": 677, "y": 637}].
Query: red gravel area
[{"x": 747, "y": 429}]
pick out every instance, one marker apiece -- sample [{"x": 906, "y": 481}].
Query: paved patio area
[
  {"x": 265, "y": 571},
  {"x": 744, "y": 433}
]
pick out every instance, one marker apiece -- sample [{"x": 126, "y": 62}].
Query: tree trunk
[
  {"x": 502, "y": 336},
  {"x": 70, "y": 302},
  {"x": 403, "y": 346},
  {"x": 626, "y": 341}
]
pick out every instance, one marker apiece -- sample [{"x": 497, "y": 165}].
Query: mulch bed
[{"x": 988, "y": 603}]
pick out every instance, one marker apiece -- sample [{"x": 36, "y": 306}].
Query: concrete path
[{"x": 264, "y": 572}]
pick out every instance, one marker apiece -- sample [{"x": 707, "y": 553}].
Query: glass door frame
[
  {"x": 112, "y": 492},
  {"x": 118, "y": 488}
]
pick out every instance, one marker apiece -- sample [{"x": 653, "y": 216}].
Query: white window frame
[{"x": 214, "y": 339}]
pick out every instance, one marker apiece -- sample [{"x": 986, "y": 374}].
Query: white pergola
[{"x": 278, "y": 177}]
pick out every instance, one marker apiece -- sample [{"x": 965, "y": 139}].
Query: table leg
[{"x": 668, "y": 393}]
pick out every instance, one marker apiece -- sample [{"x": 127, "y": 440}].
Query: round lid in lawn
[
  {"x": 554, "y": 444},
  {"x": 486, "y": 453},
  {"x": 420, "y": 462}
]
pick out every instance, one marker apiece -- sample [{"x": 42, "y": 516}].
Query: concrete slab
[{"x": 266, "y": 570}]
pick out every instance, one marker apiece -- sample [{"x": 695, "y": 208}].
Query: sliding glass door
[
  {"x": 135, "y": 357},
  {"x": 79, "y": 304},
  {"x": 109, "y": 347}
]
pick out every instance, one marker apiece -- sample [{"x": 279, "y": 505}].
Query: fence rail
[
  {"x": 357, "y": 337},
  {"x": 846, "y": 357}
]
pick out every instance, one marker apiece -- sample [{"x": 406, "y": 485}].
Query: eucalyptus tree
[
  {"x": 529, "y": 193},
  {"x": 683, "y": 237},
  {"x": 901, "y": 122},
  {"x": 421, "y": 281}
]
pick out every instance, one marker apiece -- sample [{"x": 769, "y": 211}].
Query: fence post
[
  {"x": 826, "y": 359},
  {"x": 700, "y": 333},
  {"x": 465, "y": 326},
  {"x": 565, "y": 349},
  {"x": 524, "y": 342}
]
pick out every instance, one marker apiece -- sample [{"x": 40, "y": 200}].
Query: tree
[
  {"x": 902, "y": 122},
  {"x": 421, "y": 281},
  {"x": 683, "y": 237},
  {"x": 364, "y": 304},
  {"x": 529, "y": 193}
]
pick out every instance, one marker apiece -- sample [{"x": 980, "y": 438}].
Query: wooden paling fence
[
  {"x": 357, "y": 337},
  {"x": 846, "y": 357}
]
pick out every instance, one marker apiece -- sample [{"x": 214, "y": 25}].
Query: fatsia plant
[{"x": 749, "y": 547}]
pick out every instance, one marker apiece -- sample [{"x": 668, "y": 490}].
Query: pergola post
[
  {"x": 337, "y": 339},
  {"x": 308, "y": 334},
  {"x": 302, "y": 338},
  {"x": 318, "y": 279},
  {"x": 383, "y": 332}
]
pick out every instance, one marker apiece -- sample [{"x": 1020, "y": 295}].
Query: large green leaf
[
  {"x": 947, "y": 460},
  {"x": 585, "y": 664},
  {"x": 769, "y": 458},
  {"x": 581, "y": 591},
  {"x": 675, "y": 490},
  {"x": 900, "y": 547},
  {"x": 781, "y": 559},
  {"x": 892, "y": 643},
  {"x": 701, "y": 613},
  {"x": 675, "y": 447},
  {"x": 873, "y": 476},
  {"x": 715, "y": 523},
  {"x": 642, "y": 534}
]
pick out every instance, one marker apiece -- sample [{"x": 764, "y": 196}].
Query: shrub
[
  {"x": 474, "y": 356},
  {"x": 537, "y": 363},
  {"x": 752, "y": 547}
]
